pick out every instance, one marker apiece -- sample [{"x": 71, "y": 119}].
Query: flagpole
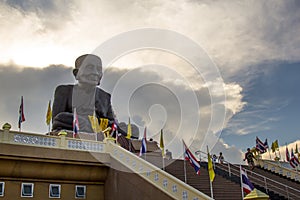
[
  {"x": 279, "y": 154},
  {"x": 162, "y": 146},
  {"x": 211, "y": 189},
  {"x": 163, "y": 162},
  {"x": 184, "y": 167},
  {"x": 241, "y": 178}
]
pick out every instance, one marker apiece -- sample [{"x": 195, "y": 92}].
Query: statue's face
[{"x": 90, "y": 72}]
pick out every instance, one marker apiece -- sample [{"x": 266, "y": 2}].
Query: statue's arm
[{"x": 110, "y": 112}]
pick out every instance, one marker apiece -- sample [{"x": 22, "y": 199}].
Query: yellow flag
[
  {"x": 274, "y": 146},
  {"x": 296, "y": 150},
  {"x": 94, "y": 123},
  {"x": 210, "y": 167},
  {"x": 161, "y": 144},
  {"x": 49, "y": 114},
  {"x": 103, "y": 124},
  {"x": 128, "y": 129}
]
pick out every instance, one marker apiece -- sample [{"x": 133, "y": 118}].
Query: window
[
  {"x": 27, "y": 190},
  {"x": 2, "y": 184},
  {"x": 54, "y": 191},
  {"x": 80, "y": 191}
]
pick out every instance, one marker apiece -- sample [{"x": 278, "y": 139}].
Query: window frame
[
  {"x": 80, "y": 197},
  {"x": 32, "y": 189},
  {"x": 3, "y": 187},
  {"x": 59, "y": 191}
]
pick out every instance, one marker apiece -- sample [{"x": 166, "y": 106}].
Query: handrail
[
  {"x": 274, "y": 167},
  {"x": 167, "y": 183},
  {"x": 265, "y": 182},
  {"x": 61, "y": 142},
  {"x": 261, "y": 180}
]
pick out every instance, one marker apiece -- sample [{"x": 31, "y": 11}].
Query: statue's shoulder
[
  {"x": 64, "y": 89},
  {"x": 102, "y": 92}
]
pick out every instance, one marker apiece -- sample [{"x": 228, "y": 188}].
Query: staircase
[
  {"x": 222, "y": 187},
  {"x": 275, "y": 186},
  {"x": 279, "y": 178}
]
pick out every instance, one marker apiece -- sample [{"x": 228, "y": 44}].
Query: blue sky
[
  {"x": 272, "y": 109},
  {"x": 246, "y": 50}
]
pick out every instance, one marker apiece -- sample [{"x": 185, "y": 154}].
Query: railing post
[
  {"x": 287, "y": 192},
  {"x": 6, "y": 127},
  {"x": 62, "y": 136},
  {"x": 266, "y": 184},
  {"x": 229, "y": 170}
]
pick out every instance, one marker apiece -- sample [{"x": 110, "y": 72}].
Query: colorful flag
[
  {"x": 103, "y": 124},
  {"x": 49, "y": 114},
  {"x": 293, "y": 162},
  {"x": 274, "y": 146},
  {"x": 114, "y": 128},
  {"x": 210, "y": 167},
  {"x": 128, "y": 129},
  {"x": 296, "y": 150},
  {"x": 94, "y": 123},
  {"x": 260, "y": 146},
  {"x": 21, "y": 113},
  {"x": 246, "y": 184},
  {"x": 161, "y": 143},
  {"x": 143, "y": 148},
  {"x": 191, "y": 158},
  {"x": 287, "y": 154},
  {"x": 75, "y": 124}
]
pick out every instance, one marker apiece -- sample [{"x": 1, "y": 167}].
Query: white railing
[
  {"x": 157, "y": 177},
  {"x": 61, "y": 142},
  {"x": 277, "y": 168},
  {"x": 267, "y": 183}
]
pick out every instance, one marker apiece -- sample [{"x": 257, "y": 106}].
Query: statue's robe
[{"x": 63, "y": 106}]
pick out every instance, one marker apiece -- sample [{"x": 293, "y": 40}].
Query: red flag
[
  {"x": 143, "y": 148},
  {"x": 21, "y": 113},
  {"x": 191, "y": 158},
  {"x": 75, "y": 124},
  {"x": 287, "y": 154}
]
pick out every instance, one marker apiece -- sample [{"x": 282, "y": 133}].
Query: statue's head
[{"x": 88, "y": 69}]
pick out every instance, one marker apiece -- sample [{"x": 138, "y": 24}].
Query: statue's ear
[{"x": 75, "y": 71}]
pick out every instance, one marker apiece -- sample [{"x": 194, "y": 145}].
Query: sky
[{"x": 212, "y": 73}]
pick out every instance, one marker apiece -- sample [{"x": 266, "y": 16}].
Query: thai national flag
[
  {"x": 191, "y": 158},
  {"x": 143, "y": 148},
  {"x": 246, "y": 184},
  {"x": 114, "y": 128},
  {"x": 287, "y": 154},
  {"x": 260, "y": 146},
  {"x": 21, "y": 113},
  {"x": 75, "y": 124},
  {"x": 293, "y": 161}
]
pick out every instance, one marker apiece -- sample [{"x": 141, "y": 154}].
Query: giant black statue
[{"x": 85, "y": 96}]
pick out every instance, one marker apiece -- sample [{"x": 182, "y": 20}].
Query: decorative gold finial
[
  {"x": 62, "y": 133},
  {"x": 6, "y": 126}
]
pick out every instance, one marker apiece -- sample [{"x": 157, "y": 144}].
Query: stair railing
[
  {"x": 267, "y": 183},
  {"x": 165, "y": 182}
]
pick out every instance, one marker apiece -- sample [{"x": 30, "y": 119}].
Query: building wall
[
  {"x": 123, "y": 184},
  {"x": 43, "y": 166},
  {"x": 41, "y": 190}
]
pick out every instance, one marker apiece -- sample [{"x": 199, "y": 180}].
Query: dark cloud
[
  {"x": 36, "y": 85},
  {"x": 53, "y": 14}
]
